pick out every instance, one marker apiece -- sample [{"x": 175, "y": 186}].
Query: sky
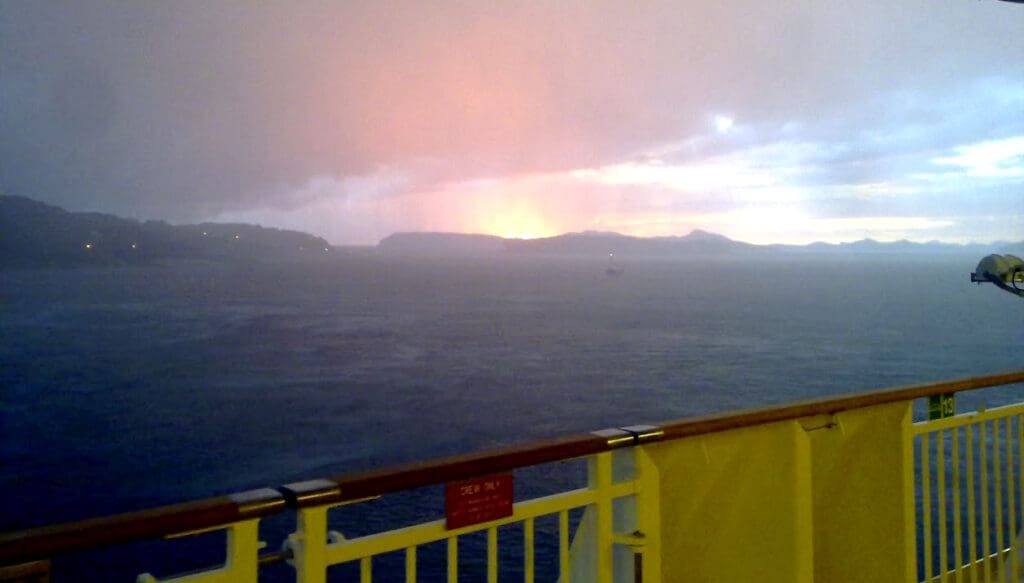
[{"x": 764, "y": 120}]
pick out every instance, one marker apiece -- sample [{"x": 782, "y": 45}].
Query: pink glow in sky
[{"x": 777, "y": 121}]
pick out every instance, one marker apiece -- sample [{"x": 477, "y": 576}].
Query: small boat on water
[{"x": 613, "y": 269}]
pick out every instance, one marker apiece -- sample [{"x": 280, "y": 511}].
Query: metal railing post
[
  {"x": 636, "y": 517},
  {"x": 619, "y": 518},
  {"x": 599, "y": 472},
  {"x": 648, "y": 500},
  {"x": 309, "y": 545}
]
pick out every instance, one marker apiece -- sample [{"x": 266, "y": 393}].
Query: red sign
[{"x": 477, "y": 500}]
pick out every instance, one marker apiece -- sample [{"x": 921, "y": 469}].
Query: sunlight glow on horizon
[
  {"x": 513, "y": 226},
  {"x": 770, "y": 192}
]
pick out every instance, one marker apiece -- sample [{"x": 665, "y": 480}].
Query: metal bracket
[
  {"x": 829, "y": 421},
  {"x": 311, "y": 493},
  {"x": 335, "y": 537},
  {"x": 635, "y": 540},
  {"x": 616, "y": 437},
  {"x": 645, "y": 433},
  {"x": 630, "y": 435}
]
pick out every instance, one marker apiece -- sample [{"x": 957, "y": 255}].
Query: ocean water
[{"x": 124, "y": 388}]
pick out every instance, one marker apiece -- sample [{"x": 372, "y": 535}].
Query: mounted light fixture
[{"x": 1004, "y": 271}]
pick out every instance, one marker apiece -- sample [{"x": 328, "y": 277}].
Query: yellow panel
[
  {"x": 863, "y": 529},
  {"x": 736, "y": 505}
]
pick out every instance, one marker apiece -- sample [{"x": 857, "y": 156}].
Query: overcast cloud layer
[{"x": 771, "y": 120}]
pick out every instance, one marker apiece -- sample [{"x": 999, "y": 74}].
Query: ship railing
[
  {"x": 607, "y": 512},
  {"x": 25, "y": 555},
  {"x": 971, "y": 475},
  {"x": 846, "y": 488}
]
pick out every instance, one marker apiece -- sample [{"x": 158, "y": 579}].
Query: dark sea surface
[{"x": 124, "y": 388}]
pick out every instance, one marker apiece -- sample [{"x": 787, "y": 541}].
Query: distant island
[
  {"x": 34, "y": 234},
  {"x": 697, "y": 243}
]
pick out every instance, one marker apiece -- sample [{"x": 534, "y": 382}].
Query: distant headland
[{"x": 35, "y": 234}]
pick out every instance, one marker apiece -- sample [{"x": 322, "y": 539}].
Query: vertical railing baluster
[
  {"x": 564, "y": 568},
  {"x": 1011, "y": 506},
  {"x": 985, "y": 543},
  {"x": 410, "y": 564},
  {"x": 926, "y": 504},
  {"x": 958, "y": 540},
  {"x": 940, "y": 476},
  {"x": 997, "y": 486},
  {"x": 366, "y": 569},
  {"x": 453, "y": 559},
  {"x": 1019, "y": 538},
  {"x": 972, "y": 514},
  {"x": 492, "y": 555},
  {"x": 528, "y": 550}
]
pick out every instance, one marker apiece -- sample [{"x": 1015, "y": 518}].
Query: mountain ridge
[
  {"x": 35, "y": 234},
  {"x": 696, "y": 242}
]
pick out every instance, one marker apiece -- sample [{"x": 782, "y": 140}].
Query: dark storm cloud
[{"x": 127, "y": 109}]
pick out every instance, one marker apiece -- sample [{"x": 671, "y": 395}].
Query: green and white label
[{"x": 941, "y": 406}]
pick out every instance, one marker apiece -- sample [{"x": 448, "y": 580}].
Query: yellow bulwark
[{"x": 845, "y": 489}]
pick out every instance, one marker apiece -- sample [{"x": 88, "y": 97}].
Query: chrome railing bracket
[
  {"x": 311, "y": 493},
  {"x": 645, "y": 433},
  {"x": 254, "y": 503},
  {"x": 616, "y": 437}
]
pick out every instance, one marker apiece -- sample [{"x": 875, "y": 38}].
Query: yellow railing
[
  {"x": 972, "y": 476},
  {"x": 622, "y": 487},
  {"x": 312, "y": 558},
  {"x": 837, "y": 489}
]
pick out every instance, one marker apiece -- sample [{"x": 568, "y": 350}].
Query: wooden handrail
[
  {"x": 451, "y": 469},
  {"x": 691, "y": 426},
  {"x": 43, "y": 542},
  {"x": 47, "y": 541},
  {"x": 439, "y": 471}
]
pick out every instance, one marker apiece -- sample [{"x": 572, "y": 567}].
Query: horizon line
[{"x": 684, "y": 236}]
